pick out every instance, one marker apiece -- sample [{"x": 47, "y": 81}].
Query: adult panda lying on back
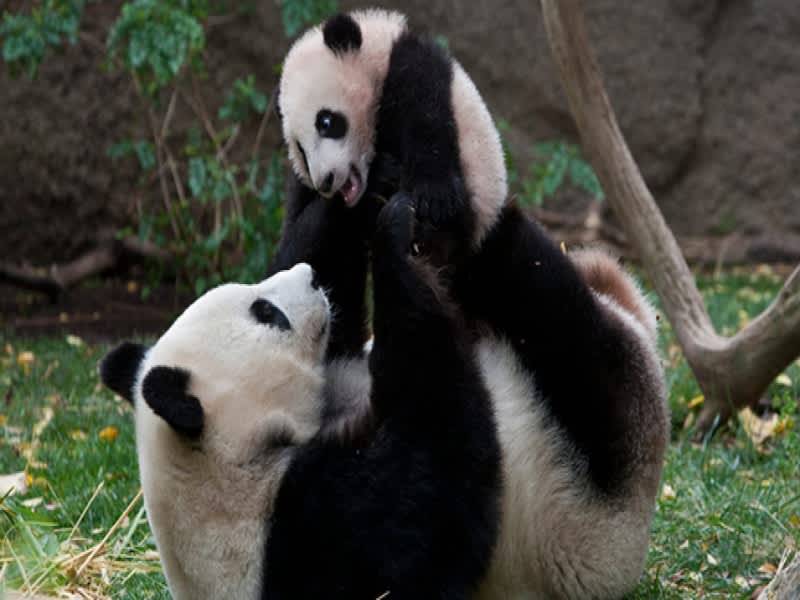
[
  {"x": 566, "y": 344},
  {"x": 266, "y": 475}
]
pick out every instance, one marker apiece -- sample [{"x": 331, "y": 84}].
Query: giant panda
[
  {"x": 567, "y": 346},
  {"x": 566, "y": 343},
  {"x": 368, "y": 108},
  {"x": 272, "y": 472}
]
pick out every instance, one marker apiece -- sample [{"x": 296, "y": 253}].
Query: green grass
[{"x": 729, "y": 509}]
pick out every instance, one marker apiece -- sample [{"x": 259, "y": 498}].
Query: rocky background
[{"x": 707, "y": 93}]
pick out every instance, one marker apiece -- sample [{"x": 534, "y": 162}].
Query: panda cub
[
  {"x": 270, "y": 472},
  {"x": 369, "y": 107}
]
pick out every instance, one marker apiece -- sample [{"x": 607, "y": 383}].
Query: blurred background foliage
[{"x": 221, "y": 204}]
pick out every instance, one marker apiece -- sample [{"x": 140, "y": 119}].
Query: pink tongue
[{"x": 350, "y": 191}]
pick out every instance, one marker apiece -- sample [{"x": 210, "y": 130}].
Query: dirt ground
[{"x": 99, "y": 310}]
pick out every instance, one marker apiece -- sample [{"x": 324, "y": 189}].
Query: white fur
[
  {"x": 207, "y": 502},
  {"x": 558, "y": 539},
  {"x": 480, "y": 151},
  {"x": 351, "y": 83}
]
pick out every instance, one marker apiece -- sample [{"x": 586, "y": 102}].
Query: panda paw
[
  {"x": 396, "y": 224},
  {"x": 440, "y": 204}
]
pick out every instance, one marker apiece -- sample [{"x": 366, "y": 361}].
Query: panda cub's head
[
  {"x": 328, "y": 98},
  {"x": 239, "y": 370}
]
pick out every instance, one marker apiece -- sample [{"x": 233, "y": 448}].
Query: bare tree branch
[
  {"x": 732, "y": 372},
  {"x": 57, "y": 279}
]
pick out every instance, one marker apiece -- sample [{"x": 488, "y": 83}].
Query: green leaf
[
  {"x": 197, "y": 175},
  {"x": 145, "y": 153}
]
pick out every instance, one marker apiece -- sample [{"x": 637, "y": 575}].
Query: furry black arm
[{"x": 332, "y": 239}]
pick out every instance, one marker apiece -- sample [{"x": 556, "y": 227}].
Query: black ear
[
  {"x": 164, "y": 390},
  {"x": 119, "y": 368},
  {"x": 342, "y": 34}
]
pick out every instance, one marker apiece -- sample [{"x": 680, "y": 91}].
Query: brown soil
[{"x": 101, "y": 310}]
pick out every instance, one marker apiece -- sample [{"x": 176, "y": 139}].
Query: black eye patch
[
  {"x": 267, "y": 313},
  {"x": 331, "y": 124}
]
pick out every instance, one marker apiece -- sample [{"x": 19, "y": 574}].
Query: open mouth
[{"x": 352, "y": 187}]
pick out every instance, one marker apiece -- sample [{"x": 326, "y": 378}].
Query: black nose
[
  {"x": 314, "y": 280},
  {"x": 326, "y": 185}
]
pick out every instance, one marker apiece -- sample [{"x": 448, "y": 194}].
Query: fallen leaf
[
  {"x": 794, "y": 520},
  {"x": 711, "y": 560},
  {"x": 25, "y": 360},
  {"x": 756, "y": 428},
  {"x": 667, "y": 493},
  {"x": 696, "y": 401},
  {"x": 74, "y": 341},
  {"x": 108, "y": 434},
  {"x": 768, "y": 568},
  {"x": 16, "y": 482},
  {"x": 77, "y": 435},
  {"x": 41, "y": 424}
]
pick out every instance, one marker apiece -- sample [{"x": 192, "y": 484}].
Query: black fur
[
  {"x": 119, "y": 368},
  {"x": 410, "y": 507},
  {"x": 165, "y": 391},
  {"x": 417, "y": 152},
  {"x": 342, "y": 34},
  {"x": 581, "y": 359},
  {"x": 332, "y": 239}
]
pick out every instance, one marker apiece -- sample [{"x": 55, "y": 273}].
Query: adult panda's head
[
  {"x": 328, "y": 98},
  {"x": 221, "y": 401},
  {"x": 238, "y": 371}
]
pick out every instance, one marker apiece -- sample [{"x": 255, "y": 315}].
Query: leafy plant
[
  {"x": 155, "y": 38},
  {"x": 27, "y": 38},
  {"x": 557, "y": 163}
]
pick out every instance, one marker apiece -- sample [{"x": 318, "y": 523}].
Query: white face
[
  {"x": 328, "y": 104},
  {"x": 254, "y": 354}
]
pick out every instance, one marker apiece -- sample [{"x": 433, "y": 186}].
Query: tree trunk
[{"x": 731, "y": 372}]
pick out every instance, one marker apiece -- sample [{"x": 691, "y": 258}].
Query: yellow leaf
[
  {"x": 667, "y": 493},
  {"x": 25, "y": 360},
  {"x": 696, "y": 401},
  {"x": 756, "y": 428},
  {"x": 768, "y": 568},
  {"x": 3, "y": 420},
  {"x": 795, "y": 521},
  {"x": 108, "y": 434},
  {"x": 74, "y": 341},
  {"x": 132, "y": 287},
  {"x": 784, "y": 380},
  {"x": 77, "y": 435}
]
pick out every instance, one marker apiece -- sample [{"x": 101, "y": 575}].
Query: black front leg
[{"x": 333, "y": 240}]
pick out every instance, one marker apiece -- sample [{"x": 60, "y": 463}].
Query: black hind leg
[{"x": 529, "y": 292}]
